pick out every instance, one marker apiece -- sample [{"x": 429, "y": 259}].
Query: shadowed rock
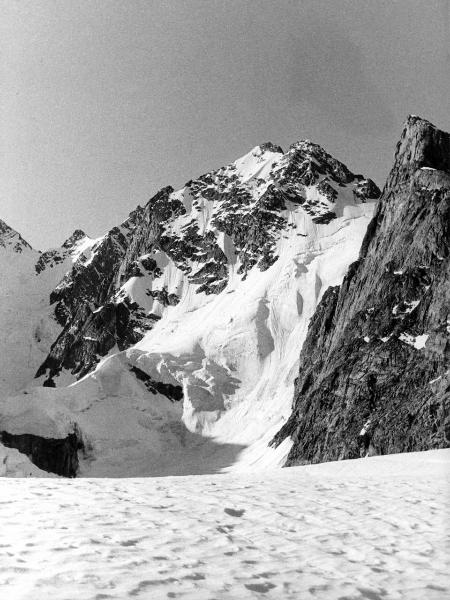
[
  {"x": 58, "y": 456},
  {"x": 373, "y": 375}
]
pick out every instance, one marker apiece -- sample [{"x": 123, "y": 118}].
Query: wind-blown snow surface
[{"x": 373, "y": 529}]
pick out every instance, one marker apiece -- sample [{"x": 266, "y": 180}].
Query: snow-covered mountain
[{"x": 173, "y": 340}]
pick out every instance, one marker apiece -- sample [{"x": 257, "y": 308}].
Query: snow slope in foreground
[{"x": 373, "y": 528}]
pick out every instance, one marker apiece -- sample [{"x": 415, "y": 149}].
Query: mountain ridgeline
[
  {"x": 243, "y": 204},
  {"x": 374, "y": 370}
]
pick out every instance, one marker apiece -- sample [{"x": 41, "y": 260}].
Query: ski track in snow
[{"x": 370, "y": 529}]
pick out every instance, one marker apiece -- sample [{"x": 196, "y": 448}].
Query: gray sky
[{"x": 104, "y": 102}]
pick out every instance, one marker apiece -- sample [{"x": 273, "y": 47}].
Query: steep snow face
[
  {"x": 236, "y": 354},
  {"x": 194, "y": 311},
  {"x": 28, "y": 327}
]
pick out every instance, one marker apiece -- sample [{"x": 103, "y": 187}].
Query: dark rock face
[
  {"x": 173, "y": 392},
  {"x": 76, "y": 236},
  {"x": 58, "y": 456},
  {"x": 92, "y": 322},
  {"x": 374, "y": 372},
  {"x": 272, "y": 147},
  {"x": 50, "y": 258},
  {"x": 309, "y": 164}
]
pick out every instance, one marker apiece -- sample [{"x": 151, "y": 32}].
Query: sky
[{"x": 105, "y": 102}]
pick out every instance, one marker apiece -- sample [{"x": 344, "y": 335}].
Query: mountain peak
[
  {"x": 76, "y": 236},
  {"x": 316, "y": 163},
  {"x": 304, "y": 144},
  {"x": 421, "y": 145},
  {"x": 10, "y": 238},
  {"x": 269, "y": 146}
]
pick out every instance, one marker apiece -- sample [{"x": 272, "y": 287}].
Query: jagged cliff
[{"x": 374, "y": 372}]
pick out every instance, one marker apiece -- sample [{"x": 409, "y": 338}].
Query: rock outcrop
[
  {"x": 374, "y": 373},
  {"x": 56, "y": 256},
  {"x": 59, "y": 456}
]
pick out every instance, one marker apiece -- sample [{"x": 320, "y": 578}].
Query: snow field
[{"x": 374, "y": 528}]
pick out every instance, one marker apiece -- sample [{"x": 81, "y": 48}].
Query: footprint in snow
[
  {"x": 259, "y": 587},
  {"x": 127, "y": 543},
  {"x": 234, "y": 512},
  {"x": 226, "y": 528}
]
